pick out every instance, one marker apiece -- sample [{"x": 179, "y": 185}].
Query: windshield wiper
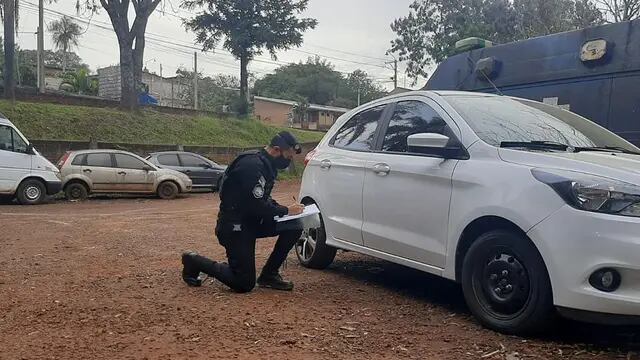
[
  {"x": 536, "y": 145},
  {"x": 606, "y": 149}
]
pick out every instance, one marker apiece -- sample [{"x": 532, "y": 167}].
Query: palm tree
[{"x": 65, "y": 34}]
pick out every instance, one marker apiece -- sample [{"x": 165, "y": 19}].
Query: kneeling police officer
[{"x": 247, "y": 212}]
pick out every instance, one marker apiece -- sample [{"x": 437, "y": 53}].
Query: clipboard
[{"x": 308, "y": 219}]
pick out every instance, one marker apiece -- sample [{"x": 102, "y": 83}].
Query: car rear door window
[
  {"x": 168, "y": 160},
  {"x": 412, "y": 117},
  {"x": 99, "y": 160},
  {"x": 79, "y": 159},
  {"x": 360, "y": 131},
  {"x": 124, "y": 161},
  {"x": 192, "y": 161}
]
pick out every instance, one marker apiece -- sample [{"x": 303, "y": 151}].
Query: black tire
[
  {"x": 506, "y": 284},
  {"x": 31, "y": 192},
  {"x": 321, "y": 255},
  {"x": 76, "y": 191},
  {"x": 168, "y": 190}
]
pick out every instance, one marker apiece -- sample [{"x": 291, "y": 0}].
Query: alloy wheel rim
[{"x": 306, "y": 246}]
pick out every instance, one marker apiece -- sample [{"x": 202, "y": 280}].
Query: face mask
[{"x": 282, "y": 162}]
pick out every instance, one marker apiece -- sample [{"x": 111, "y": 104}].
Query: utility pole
[
  {"x": 195, "y": 80},
  {"x": 358, "y": 95},
  {"x": 41, "y": 46},
  {"x": 395, "y": 72},
  {"x": 9, "y": 49}
]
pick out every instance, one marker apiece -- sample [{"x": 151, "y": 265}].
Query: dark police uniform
[{"x": 246, "y": 213}]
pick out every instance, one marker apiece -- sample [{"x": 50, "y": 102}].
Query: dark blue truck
[{"x": 594, "y": 72}]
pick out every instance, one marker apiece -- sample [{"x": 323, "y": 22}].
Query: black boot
[
  {"x": 190, "y": 270},
  {"x": 274, "y": 281}
]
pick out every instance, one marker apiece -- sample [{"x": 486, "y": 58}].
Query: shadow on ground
[{"x": 434, "y": 290}]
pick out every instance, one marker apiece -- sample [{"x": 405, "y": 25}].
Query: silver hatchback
[{"x": 112, "y": 171}]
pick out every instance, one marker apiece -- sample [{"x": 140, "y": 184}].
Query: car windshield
[{"x": 497, "y": 120}]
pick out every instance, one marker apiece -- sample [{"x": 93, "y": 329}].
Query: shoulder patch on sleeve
[{"x": 258, "y": 191}]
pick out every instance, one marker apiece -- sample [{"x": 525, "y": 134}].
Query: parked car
[
  {"x": 24, "y": 173},
  {"x": 533, "y": 209},
  {"x": 112, "y": 171},
  {"x": 203, "y": 172}
]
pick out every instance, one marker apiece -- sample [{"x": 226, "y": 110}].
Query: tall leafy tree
[
  {"x": 131, "y": 41},
  {"x": 247, "y": 27},
  {"x": 65, "y": 34},
  {"x": 427, "y": 35}
]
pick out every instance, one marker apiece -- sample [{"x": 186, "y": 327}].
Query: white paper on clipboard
[{"x": 309, "y": 210}]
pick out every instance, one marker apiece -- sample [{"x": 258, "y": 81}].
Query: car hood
[{"x": 624, "y": 167}]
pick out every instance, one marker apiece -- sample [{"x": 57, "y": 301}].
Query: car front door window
[
  {"x": 360, "y": 131},
  {"x": 412, "y": 117},
  {"x": 6, "y": 142}
]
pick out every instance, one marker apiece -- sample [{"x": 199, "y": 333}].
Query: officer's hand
[{"x": 295, "y": 209}]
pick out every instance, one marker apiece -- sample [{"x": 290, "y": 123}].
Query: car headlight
[{"x": 592, "y": 193}]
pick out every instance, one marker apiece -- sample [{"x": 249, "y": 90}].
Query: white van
[{"x": 24, "y": 173}]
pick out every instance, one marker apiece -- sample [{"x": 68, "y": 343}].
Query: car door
[
  {"x": 98, "y": 167},
  {"x": 406, "y": 195},
  {"x": 340, "y": 175},
  {"x": 133, "y": 174},
  {"x": 199, "y": 170},
  {"x": 14, "y": 160}
]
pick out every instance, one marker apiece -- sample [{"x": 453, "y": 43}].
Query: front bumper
[
  {"x": 53, "y": 187},
  {"x": 575, "y": 243}
]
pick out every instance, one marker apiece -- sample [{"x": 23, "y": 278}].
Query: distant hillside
[{"x": 63, "y": 122}]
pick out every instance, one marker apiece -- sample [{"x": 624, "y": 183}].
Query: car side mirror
[
  {"x": 30, "y": 150},
  {"x": 147, "y": 168},
  {"x": 436, "y": 145},
  {"x": 206, "y": 166}
]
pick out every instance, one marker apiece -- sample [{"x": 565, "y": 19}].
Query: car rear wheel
[
  {"x": 506, "y": 284},
  {"x": 312, "y": 250},
  {"x": 76, "y": 192},
  {"x": 168, "y": 190},
  {"x": 31, "y": 192}
]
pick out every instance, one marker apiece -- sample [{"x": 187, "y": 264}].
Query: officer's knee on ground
[{"x": 245, "y": 284}]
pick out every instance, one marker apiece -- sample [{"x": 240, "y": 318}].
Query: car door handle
[
  {"x": 122, "y": 173},
  {"x": 325, "y": 164},
  {"x": 381, "y": 169},
  {"x": 87, "y": 170},
  {"x": 188, "y": 171}
]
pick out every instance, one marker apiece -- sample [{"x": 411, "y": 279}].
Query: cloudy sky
[{"x": 352, "y": 34}]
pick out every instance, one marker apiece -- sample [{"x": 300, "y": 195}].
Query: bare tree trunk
[
  {"x": 64, "y": 59},
  {"x": 244, "y": 85},
  {"x": 9, "y": 50},
  {"x": 138, "y": 55},
  {"x": 128, "y": 96}
]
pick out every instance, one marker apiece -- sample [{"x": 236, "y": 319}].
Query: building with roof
[{"x": 279, "y": 112}]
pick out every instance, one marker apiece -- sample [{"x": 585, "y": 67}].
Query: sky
[{"x": 351, "y": 34}]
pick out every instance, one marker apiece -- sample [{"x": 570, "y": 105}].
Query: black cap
[{"x": 285, "y": 141}]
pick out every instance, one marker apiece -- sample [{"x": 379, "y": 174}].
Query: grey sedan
[{"x": 204, "y": 173}]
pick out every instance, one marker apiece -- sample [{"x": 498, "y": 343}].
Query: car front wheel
[
  {"x": 506, "y": 284},
  {"x": 312, "y": 250},
  {"x": 168, "y": 190},
  {"x": 31, "y": 192}
]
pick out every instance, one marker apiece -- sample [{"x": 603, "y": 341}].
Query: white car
[
  {"x": 533, "y": 209},
  {"x": 24, "y": 173}
]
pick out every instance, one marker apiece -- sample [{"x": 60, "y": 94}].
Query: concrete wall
[
  {"x": 54, "y": 149},
  {"x": 272, "y": 113}
]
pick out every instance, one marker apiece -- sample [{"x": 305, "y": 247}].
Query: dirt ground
[{"x": 101, "y": 280}]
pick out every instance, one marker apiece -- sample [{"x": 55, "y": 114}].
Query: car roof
[
  {"x": 111, "y": 151},
  {"x": 173, "y": 152},
  {"x": 5, "y": 121}
]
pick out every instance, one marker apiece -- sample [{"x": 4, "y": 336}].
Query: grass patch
[{"x": 64, "y": 122}]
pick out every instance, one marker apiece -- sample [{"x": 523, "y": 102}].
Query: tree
[
  {"x": 358, "y": 89},
  {"x": 620, "y": 10},
  {"x": 65, "y": 34},
  {"x": 428, "y": 34},
  {"x": 53, "y": 59},
  {"x": 214, "y": 93},
  {"x": 79, "y": 82},
  {"x": 248, "y": 27},
  {"x": 131, "y": 41}
]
